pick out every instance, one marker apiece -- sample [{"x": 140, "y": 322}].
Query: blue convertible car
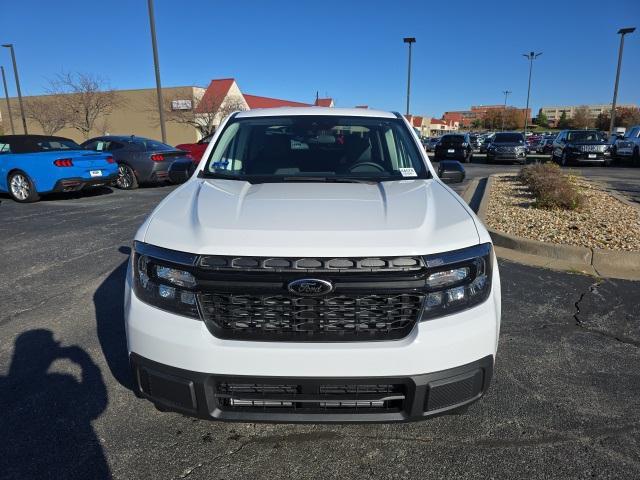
[{"x": 32, "y": 165}]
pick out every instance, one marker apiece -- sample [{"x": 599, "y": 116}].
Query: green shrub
[{"x": 551, "y": 188}]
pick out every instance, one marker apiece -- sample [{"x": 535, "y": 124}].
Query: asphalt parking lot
[{"x": 564, "y": 403}]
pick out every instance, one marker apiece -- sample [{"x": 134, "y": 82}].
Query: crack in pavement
[{"x": 593, "y": 289}]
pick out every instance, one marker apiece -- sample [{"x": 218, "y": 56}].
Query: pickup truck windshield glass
[{"x": 322, "y": 148}]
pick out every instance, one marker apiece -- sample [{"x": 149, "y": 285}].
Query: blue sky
[{"x": 466, "y": 53}]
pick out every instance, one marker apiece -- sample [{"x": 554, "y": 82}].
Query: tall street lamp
[
  {"x": 15, "y": 74},
  {"x": 622, "y": 32},
  {"x": 531, "y": 56},
  {"x": 409, "y": 40},
  {"x": 6, "y": 96},
  {"x": 154, "y": 45},
  {"x": 504, "y": 110}
]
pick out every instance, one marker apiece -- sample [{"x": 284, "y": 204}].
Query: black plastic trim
[{"x": 414, "y": 407}]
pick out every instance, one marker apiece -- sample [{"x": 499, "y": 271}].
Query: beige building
[
  {"x": 135, "y": 112},
  {"x": 554, "y": 112}
]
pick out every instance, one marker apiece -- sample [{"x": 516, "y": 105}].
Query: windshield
[
  {"x": 508, "y": 138},
  {"x": 452, "y": 139},
  {"x": 319, "y": 148},
  {"x": 584, "y": 136}
]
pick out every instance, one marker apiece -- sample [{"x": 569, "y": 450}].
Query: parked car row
[{"x": 35, "y": 165}]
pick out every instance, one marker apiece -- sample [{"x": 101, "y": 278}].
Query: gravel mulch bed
[{"x": 604, "y": 222}]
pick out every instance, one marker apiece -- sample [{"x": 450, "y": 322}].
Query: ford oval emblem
[{"x": 310, "y": 287}]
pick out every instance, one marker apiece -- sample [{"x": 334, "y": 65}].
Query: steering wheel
[{"x": 376, "y": 167}]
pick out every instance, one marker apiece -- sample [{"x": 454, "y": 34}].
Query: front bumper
[
  {"x": 311, "y": 399},
  {"x": 76, "y": 184},
  {"x": 581, "y": 157},
  {"x": 507, "y": 156}
]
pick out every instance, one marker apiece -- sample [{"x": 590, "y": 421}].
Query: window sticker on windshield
[
  {"x": 408, "y": 172},
  {"x": 222, "y": 164}
]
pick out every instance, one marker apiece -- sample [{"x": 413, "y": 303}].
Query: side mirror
[{"x": 451, "y": 171}]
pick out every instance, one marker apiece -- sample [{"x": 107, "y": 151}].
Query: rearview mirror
[{"x": 451, "y": 171}]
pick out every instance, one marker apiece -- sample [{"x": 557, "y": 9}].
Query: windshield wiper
[{"x": 329, "y": 179}]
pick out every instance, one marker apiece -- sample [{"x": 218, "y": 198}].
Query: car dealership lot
[{"x": 565, "y": 400}]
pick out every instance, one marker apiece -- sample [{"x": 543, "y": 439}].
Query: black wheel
[
  {"x": 635, "y": 159},
  {"x": 21, "y": 188},
  {"x": 563, "y": 160},
  {"x": 126, "y": 178}
]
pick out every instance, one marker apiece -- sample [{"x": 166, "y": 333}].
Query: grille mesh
[
  {"x": 310, "y": 397},
  {"x": 339, "y": 317},
  {"x": 592, "y": 148}
]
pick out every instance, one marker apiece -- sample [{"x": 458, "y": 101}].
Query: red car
[{"x": 196, "y": 149}]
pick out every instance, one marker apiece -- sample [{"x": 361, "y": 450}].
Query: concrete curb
[{"x": 606, "y": 263}]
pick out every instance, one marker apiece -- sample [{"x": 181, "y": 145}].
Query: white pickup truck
[{"x": 313, "y": 269}]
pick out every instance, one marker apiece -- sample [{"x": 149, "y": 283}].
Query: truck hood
[{"x": 229, "y": 217}]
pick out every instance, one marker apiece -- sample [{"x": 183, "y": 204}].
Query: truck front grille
[
  {"x": 592, "y": 148},
  {"x": 505, "y": 149},
  {"x": 310, "y": 397},
  {"x": 330, "y": 318}
]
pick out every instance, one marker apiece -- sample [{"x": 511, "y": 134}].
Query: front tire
[
  {"x": 563, "y": 160},
  {"x": 21, "y": 188},
  {"x": 127, "y": 179}
]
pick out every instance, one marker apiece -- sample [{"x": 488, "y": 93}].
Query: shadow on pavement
[
  {"x": 46, "y": 416},
  {"x": 109, "y": 306}
]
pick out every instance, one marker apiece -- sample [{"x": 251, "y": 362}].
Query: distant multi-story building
[
  {"x": 478, "y": 112},
  {"x": 554, "y": 112}
]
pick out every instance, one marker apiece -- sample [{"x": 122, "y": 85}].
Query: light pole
[
  {"x": 6, "y": 96},
  {"x": 504, "y": 110},
  {"x": 15, "y": 74},
  {"x": 409, "y": 40},
  {"x": 154, "y": 44},
  {"x": 531, "y": 56},
  {"x": 622, "y": 32}
]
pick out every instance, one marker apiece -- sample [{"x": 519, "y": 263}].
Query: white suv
[{"x": 313, "y": 269}]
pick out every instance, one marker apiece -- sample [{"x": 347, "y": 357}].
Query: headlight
[
  {"x": 163, "y": 278},
  {"x": 457, "y": 280}
]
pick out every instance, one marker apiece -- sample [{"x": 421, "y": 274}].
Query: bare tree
[
  {"x": 204, "y": 114},
  {"x": 581, "y": 118},
  {"x": 85, "y": 98},
  {"x": 48, "y": 112}
]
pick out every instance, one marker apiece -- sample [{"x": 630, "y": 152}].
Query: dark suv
[
  {"x": 507, "y": 147},
  {"x": 454, "y": 147},
  {"x": 578, "y": 146}
]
